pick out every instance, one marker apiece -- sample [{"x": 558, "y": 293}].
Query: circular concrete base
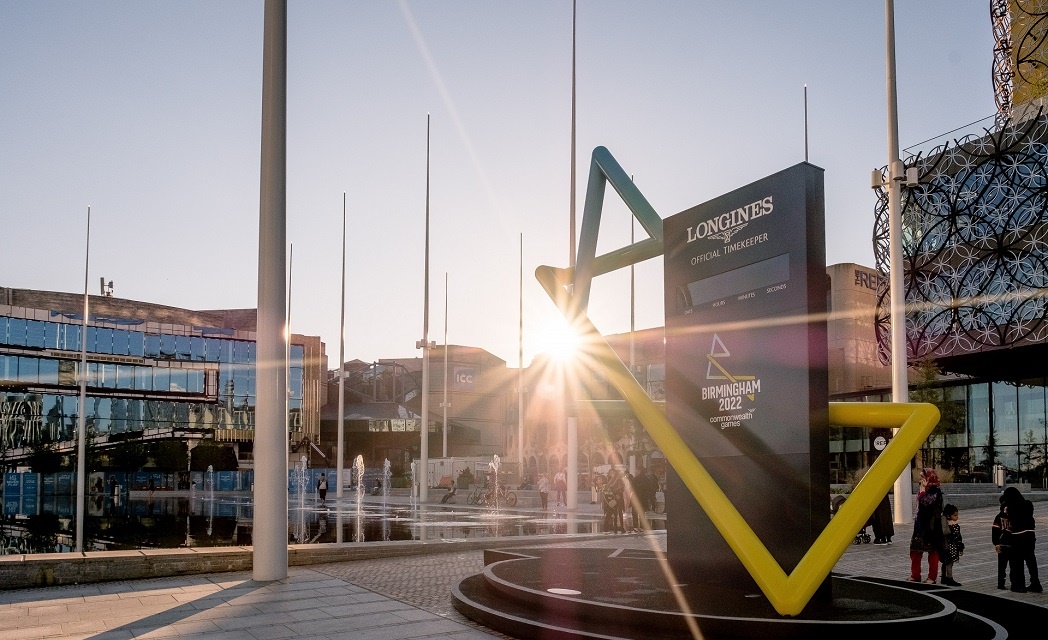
[{"x": 602, "y": 593}]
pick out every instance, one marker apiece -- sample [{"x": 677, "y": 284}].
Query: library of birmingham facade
[{"x": 975, "y": 245}]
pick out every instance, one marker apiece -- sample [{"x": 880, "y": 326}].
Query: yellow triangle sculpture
[{"x": 788, "y": 594}]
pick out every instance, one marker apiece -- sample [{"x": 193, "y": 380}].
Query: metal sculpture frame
[{"x": 569, "y": 289}]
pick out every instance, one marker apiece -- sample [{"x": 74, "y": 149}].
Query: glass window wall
[
  {"x": 16, "y": 332},
  {"x": 152, "y": 346},
  {"x": 1005, "y": 413},
  {"x": 57, "y": 412},
  {"x": 34, "y": 336}
]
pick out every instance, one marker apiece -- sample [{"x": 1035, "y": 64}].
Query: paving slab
[{"x": 385, "y": 598}]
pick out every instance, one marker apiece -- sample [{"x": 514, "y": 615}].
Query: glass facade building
[
  {"x": 985, "y": 424},
  {"x": 144, "y": 378}
]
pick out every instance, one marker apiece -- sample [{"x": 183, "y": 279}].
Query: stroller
[{"x": 861, "y": 537}]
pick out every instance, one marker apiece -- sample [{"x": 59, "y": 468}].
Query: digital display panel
[{"x": 736, "y": 282}]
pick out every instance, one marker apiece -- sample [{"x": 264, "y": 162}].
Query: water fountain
[
  {"x": 210, "y": 482},
  {"x": 413, "y": 486},
  {"x": 387, "y": 477},
  {"x": 358, "y": 465},
  {"x": 302, "y": 474},
  {"x": 494, "y": 466}
]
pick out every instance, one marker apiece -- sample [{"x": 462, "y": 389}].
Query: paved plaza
[{"x": 384, "y": 598}]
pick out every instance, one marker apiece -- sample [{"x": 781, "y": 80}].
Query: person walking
[
  {"x": 543, "y": 486},
  {"x": 927, "y": 528},
  {"x": 629, "y": 498},
  {"x": 322, "y": 487},
  {"x": 560, "y": 485},
  {"x": 615, "y": 489}
]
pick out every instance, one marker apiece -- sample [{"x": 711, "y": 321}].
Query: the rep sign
[{"x": 746, "y": 386}]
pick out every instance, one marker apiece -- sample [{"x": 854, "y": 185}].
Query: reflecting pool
[{"x": 202, "y": 520}]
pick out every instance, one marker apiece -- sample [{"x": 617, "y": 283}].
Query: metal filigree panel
[
  {"x": 1020, "y": 59},
  {"x": 1002, "y": 58},
  {"x": 975, "y": 245}
]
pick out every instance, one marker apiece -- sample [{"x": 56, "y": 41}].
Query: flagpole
[
  {"x": 287, "y": 356},
  {"x": 572, "y": 419},
  {"x": 445, "y": 404},
  {"x": 340, "y": 458},
  {"x": 81, "y": 420},
  {"x": 423, "y": 472},
  {"x": 520, "y": 364}
]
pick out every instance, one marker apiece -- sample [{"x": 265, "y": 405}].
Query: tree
[
  {"x": 45, "y": 458},
  {"x": 130, "y": 455},
  {"x": 171, "y": 455},
  {"x": 215, "y": 455}
]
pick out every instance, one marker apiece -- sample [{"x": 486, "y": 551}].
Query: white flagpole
[
  {"x": 423, "y": 472},
  {"x": 520, "y": 365},
  {"x": 340, "y": 458},
  {"x": 445, "y": 404},
  {"x": 572, "y": 419},
  {"x": 81, "y": 420}
]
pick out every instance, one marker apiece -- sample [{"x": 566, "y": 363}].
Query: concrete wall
[{"x": 53, "y": 569}]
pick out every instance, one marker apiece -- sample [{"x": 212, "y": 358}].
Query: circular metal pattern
[{"x": 975, "y": 245}]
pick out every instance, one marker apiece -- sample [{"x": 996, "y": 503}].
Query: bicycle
[{"x": 496, "y": 497}]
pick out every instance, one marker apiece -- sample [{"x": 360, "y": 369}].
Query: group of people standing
[
  {"x": 1014, "y": 539},
  {"x": 622, "y": 492},
  {"x": 619, "y": 493},
  {"x": 560, "y": 485},
  {"x": 937, "y": 532}
]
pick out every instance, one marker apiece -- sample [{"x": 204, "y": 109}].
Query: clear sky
[{"x": 150, "y": 112}]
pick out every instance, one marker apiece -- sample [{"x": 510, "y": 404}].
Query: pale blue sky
[{"x": 150, "y": 112}]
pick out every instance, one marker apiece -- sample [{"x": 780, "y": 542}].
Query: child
[{"x": 953, "y": 546}]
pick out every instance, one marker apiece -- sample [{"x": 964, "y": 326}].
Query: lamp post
[
  {"x": 900, "y": 385},
  {"x": 270, "y": 555}
]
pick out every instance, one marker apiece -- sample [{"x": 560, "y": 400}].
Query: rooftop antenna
[{"x": 805, "y": 122}]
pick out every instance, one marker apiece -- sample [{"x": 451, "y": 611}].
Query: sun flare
[{"x": 558, "y": 340}]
